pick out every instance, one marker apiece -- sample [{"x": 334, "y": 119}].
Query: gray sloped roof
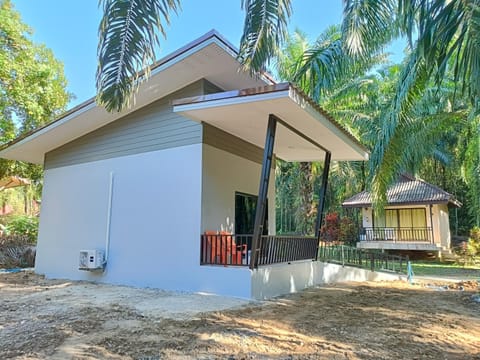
[{"x": 406, "y": 191}]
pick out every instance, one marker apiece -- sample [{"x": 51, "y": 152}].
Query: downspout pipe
[{"x": 109, "y": 218}]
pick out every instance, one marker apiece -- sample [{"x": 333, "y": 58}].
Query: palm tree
[
  {"x": 345, "y": 92},
  {"x": 443, "y": 37},
  {"x": 129, "y": 34},
  {"x": 438, "y": 31}
]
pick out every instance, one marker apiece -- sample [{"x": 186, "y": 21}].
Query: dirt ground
[{"x": 45, "y": 319}]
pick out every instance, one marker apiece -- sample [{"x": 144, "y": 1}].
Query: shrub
[
  {"x": 22, "y": 225},
  {"x": 473, "y": 245},
  {"x": 470, "y": 250},
  {"x": 331, "y": 229},
  {"x": 338, "y": 229}
]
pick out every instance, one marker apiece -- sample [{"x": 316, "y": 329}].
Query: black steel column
[
  {"x": 321, "y": 199},
  {"x": 263, "y": 189}
]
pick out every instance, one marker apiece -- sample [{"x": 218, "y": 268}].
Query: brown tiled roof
[{"x": 406, "y": 191}]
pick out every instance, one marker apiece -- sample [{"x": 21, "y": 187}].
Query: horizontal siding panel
[
  {"x": 134, "y": 139},
  {"x": 142, "y": 149},
  {"x": 157, "y": 125},
  {"x": 154, "y": 127},
  {"x": 162, "y": 143}
]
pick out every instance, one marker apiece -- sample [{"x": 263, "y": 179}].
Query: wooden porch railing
[
  {"x": 236, "y": 250},
  {"x": 412, "y": 234}
]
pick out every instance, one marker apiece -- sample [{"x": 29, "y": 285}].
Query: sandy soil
[{"x": 44, "y": 319}]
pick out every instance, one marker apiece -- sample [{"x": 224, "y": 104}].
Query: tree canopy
[{"x": 32, "y": 85}]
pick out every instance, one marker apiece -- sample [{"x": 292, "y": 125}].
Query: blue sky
[{"x": 69, "y": 28}]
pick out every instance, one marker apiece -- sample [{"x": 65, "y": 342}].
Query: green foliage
[
  {"x": 443, "y": 269},
  {"x": 32, "y": 86},
  {"x": 428, "y": 132},
  {"x": 443, "y": 38},
  {"x": 128, "y": 36},
  {"x": 22, "y": 225},
  {"x": 264, "y": 30},
  {"x": 473, "y": 245},
  {"x": 416, "y": 117}
]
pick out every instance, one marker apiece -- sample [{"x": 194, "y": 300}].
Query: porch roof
[
  {"x": 307, "y": 131},
  {"x": 406, "y": 191}
]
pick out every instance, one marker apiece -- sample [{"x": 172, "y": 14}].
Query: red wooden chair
[
  {"x": 211, "y": 252},
  {"x": 220, "y": 248},
  {"x": 234, "y": 251}
]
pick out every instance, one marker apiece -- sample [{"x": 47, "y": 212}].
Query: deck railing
[
  {"x": 411, "y": 234},
  {"x": 369, "y": 259},
  {"x": 284, "y": 249},
  {"x": 236, "y": 250}
]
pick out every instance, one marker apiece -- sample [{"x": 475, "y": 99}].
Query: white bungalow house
[
  {"x": 415, "y": 218},
  {"x": 164, "y": 194}
]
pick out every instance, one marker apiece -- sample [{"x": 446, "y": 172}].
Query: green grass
[{"x": 447, "y": 270}]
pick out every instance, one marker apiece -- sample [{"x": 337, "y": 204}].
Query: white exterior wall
[
  {"x": 274, "y": 280},
  {"x": 441, "y": 225},
  {"x": 367, "y": 215},
  {"x": 224, "y": 174},
  {"x": 155, "y": 223}
]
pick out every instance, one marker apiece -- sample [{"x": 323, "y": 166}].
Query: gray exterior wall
[
  {"x": 232, "y": 144},
  {"x": 154, "y": 127},
  {"x": 209, "y": 88}
]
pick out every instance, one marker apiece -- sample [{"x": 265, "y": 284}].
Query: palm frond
[
  {"x": 368, "y": 25},
  {"x": 265, "y": 29},
  {"x": 325, "y": 65},
  {"x": 447, "y": 36},
  {"x": 386, "y": 162},
  {"x": 128, "y": 35}
]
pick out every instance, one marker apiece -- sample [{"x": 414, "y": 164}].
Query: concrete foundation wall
[{"x": 282, "y": 279}]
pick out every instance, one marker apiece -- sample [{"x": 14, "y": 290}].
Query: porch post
[
  {"x": 263, "y": 189},
  {"x": 321, "y": 199}
]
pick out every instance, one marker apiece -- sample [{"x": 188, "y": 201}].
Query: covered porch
[{"x": 285, "y": 124}]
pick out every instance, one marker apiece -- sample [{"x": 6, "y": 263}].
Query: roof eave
[{"x": 406, "y": 203}]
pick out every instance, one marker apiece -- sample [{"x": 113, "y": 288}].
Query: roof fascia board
[
  {"x": 230, "y": 101},
  {"x": 60, "y": 121},
  {"x": 367, "y": 205}
]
